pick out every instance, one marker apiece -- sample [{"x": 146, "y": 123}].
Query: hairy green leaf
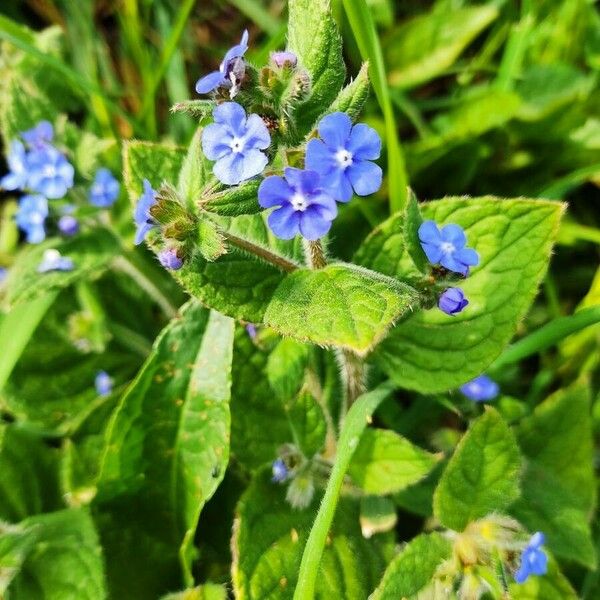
[
  {"x": 352, "y": 98},
  {"x": 235, "y": 201},
  {"x": 15, "y": 544}
]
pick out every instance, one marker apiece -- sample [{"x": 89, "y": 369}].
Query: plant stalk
[{"x": 275, "y": 259}]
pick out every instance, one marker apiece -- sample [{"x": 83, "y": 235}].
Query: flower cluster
[{"x": 44, "y": 173}]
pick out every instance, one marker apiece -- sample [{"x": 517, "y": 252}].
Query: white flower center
[
  {"x": 36, "y": 218},
  {"x": 344, "y": 158},
  {"x": 237, "y": 145},
  {"x": 49, "y": 171},
  {"x": 447, "y": 247},
  {"x": 299, "y": 202},
  {"x": 51, "y": 256}
]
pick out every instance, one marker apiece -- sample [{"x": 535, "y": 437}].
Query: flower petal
[
  {"x": 253, "y": 163},
  {"x": 433, "y": 252},
  {"x": 467, "y": 256},
  {"x": 454, "y": 234},
  {"x": 312, "y": 224},
  {"x": 274, "y": 191},
  {"x": 284, "y": 222},
  {"x": 334, "y": 129},
  {"x": 337, "y": 184},
  {"x": 216, "y": 141},
  {"x": 257, "y": 134},
  {"x": 210, "y": 82},
  {"x": 365, "y": 177},
  {"x": 325, "y": 204},
  {"x": 233, "y": 116},
  {"x": 238, "y": 49},
  {"x": 319, "y": 157},
  {"x": 364, "y": 143},
  {"x": 304, "y": 181},
  {"x": 429, "y": 233},
  {"x": 229, "y": 169}
]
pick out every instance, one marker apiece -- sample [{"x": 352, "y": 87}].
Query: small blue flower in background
[
  {"x": 169, "y": 259},
  {"x": 68, "y": 225},
  {"x": 251, "y": 330},
  {"x": 3, "y": 274},
  {"x": 50, "y": 173},
  {"x": 40, "y": 136},
  {"x": 302, "y": 206},
  {"x": 18, "y": 175},
  {"x": 280, "y": 471},
  {"x": 446, "y": 246},
  {"x": 533, "y": 559},
  {"x": 30, "y": 217},
  {"x": 52, "y": 260},
  {"x": 223, "y": 77},
  {"x": 452, "y": 301},
  {"x": 104, "y": 190},
  {"x": 141, "y": 215},
  {"x": 284, "y": 58},
  {"x": 480, "y": 389},
  {"x": 343, "y": 157},
  {"x": 103, "y": 383},
  {"x": 235, "y": 143}
]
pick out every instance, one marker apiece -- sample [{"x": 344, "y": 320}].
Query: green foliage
[{"x": 482, "y": 476}]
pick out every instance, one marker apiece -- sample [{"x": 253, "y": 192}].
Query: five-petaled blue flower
[
  {"x": 103, "y": 383},
  {"x": 452, "y": 301},
  {"x": 40, "y": 136},
  {"x": 235, "y": 143},
  {"x": 302, "y": 206},
  {"x": 169, "y": 259},
  {"x": 18, "y": 175},
  {"x": 141, "y": 215},
  {"x": 104, "y": 190},
  {"x": 68, "y": 225},
  {"x": 229, "y": 70},
  {"x": 50, "y": 173},
  {"x": 52, "y": 260},
  {"x": 446, "y": 246},
  {"x": 343, "y": 157},
  {"x": 533, "y": 559},
  {"x": 30, "y": 217},
  {"x": 480, "y": 389},
  {"x": 280, "y": 471}
]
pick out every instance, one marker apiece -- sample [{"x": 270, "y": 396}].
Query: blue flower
[
  {"x": 103, "y": 383},
  {"x": 40, "y": 136},
  {"x": 343, "y": 157},
  {"x": 533, "y": 559},
  {"x": 284, "y": 58},
  {"x": 452, "y": 301},
  {"x": 226, "y": 76},
  {"x": 235, "y": 142},
  {"x": 141, "y": 215},
  {"x": 169, "y": 259},
  {"x": 280, "y": 471},
  {"x": 50, "y": 173},
  {"x": 68, "y": 225},
  {"x": 3, "y": 274},
  {"x": 52, "y": 260},
  {"x": 18, "y": 175},
  {"x": 446, "y": 246},
  {"x": 302, "y": 206},
  {"x": 30, "y": 217},
  {"x": 251, "y": 331},
  {"x": 104, "y": 190},
  {"x": 480, "y": 389}
]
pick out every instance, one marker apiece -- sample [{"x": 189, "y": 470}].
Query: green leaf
[
  {"x": 195, "y": 172},
  {"x": 552, "y": 586},
  {"x": 286, "y": 368},
  {"x": 352, "y": 98},
  {"x": 431, "y": 352},
  {"x": 412, "y": 222},
  {"x": 340, "y": 305},
  {"x": 15, "y": 545},
  {"x": 307, "y": 423},
  {"x": 66, "y": 561},
  {"x": 482, "y": 475},
  {"x": 425, "y": 46},
  {"x": 385, "y": 462},
  {"x": 90, "y": 253},
  {"x": 269, "y": 537},
  {"x": 414, "y": 568},
  {"x": 559, "y": 490},
  {"x": 207, "y": 591},
  {"x": 211, "y": 243},
  {"x": 377, "y": 515},
  {"x": 314, "y": 38},
  {"x": 235, "y": 201},
  {"x": 166, "y": 452}
]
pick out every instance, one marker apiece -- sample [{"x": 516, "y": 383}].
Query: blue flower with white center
[
  {"x": 343, "y": 157},
  {"x": 141, "y": 215},
  {"x": 235, "y": 142},
  {"x": 446, "y": 246},
  {"x": 68, "y": 225},
  {"x": 452, "y": 301},
  {"x": 40, "y": 136},
  {"x": 533, "y": 559},
  {"x": 18, "y": 175},
  {"x": 301, "y": 204},
  {"x": 480, "y": 389},
  {"x": 280, "y": 471},
  {"x": 52, "y": 260},
  {"x": 228, "y": 73},
  {"x": 104, "y": 190},
  {"x": 30, "y": 217},
  {"x": 169, "y": 259},
  {"x": 103, "y": 383},
  {"x": 50, "y": 173}
]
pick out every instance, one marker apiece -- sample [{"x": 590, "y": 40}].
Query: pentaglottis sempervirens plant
[{"x": 290, "y": 407}]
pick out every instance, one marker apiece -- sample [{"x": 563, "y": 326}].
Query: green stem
[
  {"x": 353, "y": 376},
  {"x": 130, "y": 339},
  {"x": 356, "y": 421},
  {"x": 275, "y": 259},
  {"x": 548, "y": 335}
]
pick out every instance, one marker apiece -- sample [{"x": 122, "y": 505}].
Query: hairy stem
[
  {"x": 315, "y": 255},
  {"x": 275, "y": 259},
  {"x": 353, "y": 375}
]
